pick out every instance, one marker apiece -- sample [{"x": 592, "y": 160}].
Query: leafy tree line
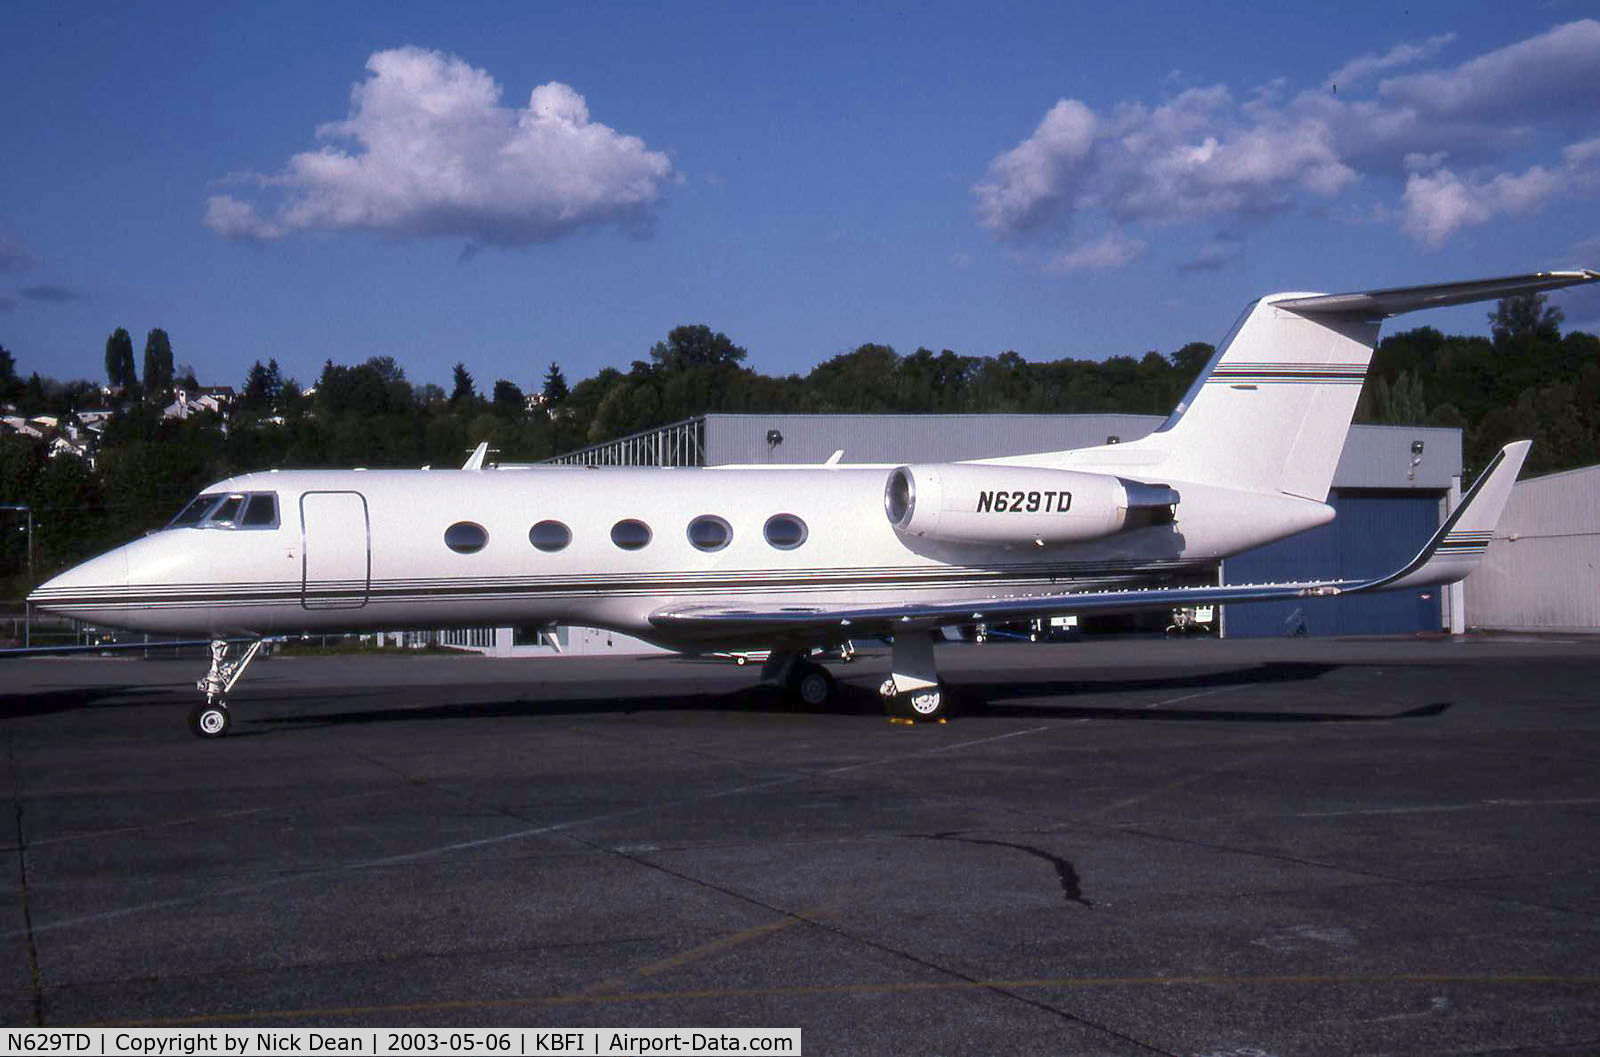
[{"x": 1525, "y": 380}]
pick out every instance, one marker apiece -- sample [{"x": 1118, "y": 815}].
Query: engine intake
[{"x": 977, "y": 503}]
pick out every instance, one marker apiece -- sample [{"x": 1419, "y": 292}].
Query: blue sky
[{"x": 512, "y": 184}]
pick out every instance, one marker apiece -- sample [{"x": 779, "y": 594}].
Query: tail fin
[{"x": 1271, "y": 410}]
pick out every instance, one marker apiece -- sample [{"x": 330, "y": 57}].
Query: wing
[
  {"x": 1452, "y": 553},
  {"x": 106, "y": 647}
]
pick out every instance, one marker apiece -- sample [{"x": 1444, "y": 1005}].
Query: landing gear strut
[
  {"x": 913, "y": 690},
  {"x": 211, "y": 719},
  {"x": 806, "y": 682}
]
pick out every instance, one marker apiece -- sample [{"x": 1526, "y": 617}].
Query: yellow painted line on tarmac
[
  {"x": 327, "y": 1013},
  {"x": 700, "y": 953}
]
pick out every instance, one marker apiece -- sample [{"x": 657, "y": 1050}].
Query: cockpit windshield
[
  {"x": 195, "y": 512},
  {"x": 230, "y": 510}
]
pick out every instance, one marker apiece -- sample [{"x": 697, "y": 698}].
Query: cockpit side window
[{"x": 260, "y": 511}]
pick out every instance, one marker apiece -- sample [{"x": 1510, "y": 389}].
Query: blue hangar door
[{"x": 1374, "y": 533}]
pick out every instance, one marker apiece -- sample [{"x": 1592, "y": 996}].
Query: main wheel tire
[
  {"x": 812, "y": 685},
  {"x": 927, "y": 705},
  {"x": 209, "y": 720}
]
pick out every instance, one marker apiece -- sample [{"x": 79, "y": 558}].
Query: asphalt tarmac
[{"x": 1240, "y": 847}]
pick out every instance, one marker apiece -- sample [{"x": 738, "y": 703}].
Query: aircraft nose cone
[{"x": 84, "y": 591}]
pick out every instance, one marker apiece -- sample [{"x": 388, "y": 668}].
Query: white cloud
[
  {"x": 1204, "y": 157},
  {"x": 1439, "y": 204},
  {"x": 1113, "y": 250},
  {"x": 1358, "y": 69},
  {"x": 1184, "y": 160},
  {"x": 1552, "y": 72},
  {"x": 428, "y": 149}
]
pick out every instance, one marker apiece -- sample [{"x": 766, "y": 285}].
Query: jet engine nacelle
[{"x": 978, "y": 503}]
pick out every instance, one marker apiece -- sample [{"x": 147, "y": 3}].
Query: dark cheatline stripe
[
  {"x": 583, "y": 586},
  {"x": 526, "y": 590},
  {"x": 1289, "y": 373}
]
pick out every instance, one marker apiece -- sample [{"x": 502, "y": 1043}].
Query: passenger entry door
[{"x": 336, "y": 550}]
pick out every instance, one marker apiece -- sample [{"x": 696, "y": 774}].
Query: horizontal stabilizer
[
  {"x": 1452, "y": 553},
  {"x": 1458, "y": 546},
  {"x": 1413, "y": 298}
]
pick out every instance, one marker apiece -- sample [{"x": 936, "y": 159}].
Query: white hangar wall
[{"x": 1542, "y": 571}]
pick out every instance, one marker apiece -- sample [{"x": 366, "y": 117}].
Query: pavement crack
[
  {"x": 995, "y": 987},
  {"x": 1066, "y": 873},
  {"x": 35, "y": 982}
]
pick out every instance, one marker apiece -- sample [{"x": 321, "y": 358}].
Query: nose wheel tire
[{"x": 210, "y": 720}]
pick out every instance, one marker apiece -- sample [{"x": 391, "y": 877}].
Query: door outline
[{"x": 305, "y": 553}]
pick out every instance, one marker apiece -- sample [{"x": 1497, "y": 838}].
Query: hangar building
[
  {"x": 1393, "y": 487},
  {"x": 1542, "y": 572}
]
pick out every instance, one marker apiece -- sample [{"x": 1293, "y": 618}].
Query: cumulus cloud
[
  {"x": 1439, "y": 203},
  {"x": 1552, "y": 72},
  {"x": 1216, "y": 254},
  {"x": 1364, "y": 66},
  {"x": 1113, "y": 250},
  {"x": 429, "y": 149},
  {"x": 1183, "y": 160},
  {"x": 1203, "y": 156}
]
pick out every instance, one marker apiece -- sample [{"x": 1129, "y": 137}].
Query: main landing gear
[
  {"x": 211, "y": 719},
  {"x": 807, "y": 682},
  {"x": 913, "y": 691}
]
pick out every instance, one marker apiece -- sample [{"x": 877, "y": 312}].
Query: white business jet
[{"x": 790, "y": 558}]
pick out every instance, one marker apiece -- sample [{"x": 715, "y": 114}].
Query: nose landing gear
[{"x": 211, "y": 719}]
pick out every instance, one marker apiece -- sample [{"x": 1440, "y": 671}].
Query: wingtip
[{"x": 1513, "y": 456}]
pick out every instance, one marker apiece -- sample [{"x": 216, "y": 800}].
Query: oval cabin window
[
  {"x": 630, "y": 535},
  {"x": 785, "y": 531},
  {"x": 465, "y": 537},
  {"x": 550, "y": 535},
  {"x": 709, "y": 532}
]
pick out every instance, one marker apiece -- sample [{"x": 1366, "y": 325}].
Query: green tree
[
  {"x": 1526, "y": 316},
  {"x": 508, "y": 399},
  {"x": 11, "y": 386},
  {"x": 555, "y": 385},
  {"x": 695, "y": 346},
  {"x": 119, "y": 360},
  {"x": 157, "y": 364},
  {"x": 463, "y": 394},
  {"x": 262, "y": 387}
]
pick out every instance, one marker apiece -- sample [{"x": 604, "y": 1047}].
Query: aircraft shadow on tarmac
[
  {"x": 73, "y": 699},
  {"x": 1003, "y": 699}
]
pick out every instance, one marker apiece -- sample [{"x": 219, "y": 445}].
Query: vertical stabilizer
[{"x": 1270, "y": 412}]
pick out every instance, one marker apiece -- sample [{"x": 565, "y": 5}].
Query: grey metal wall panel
[
  {"x": 909, "y": 438},
  {"x": 1542, "y": 571},
  {"x": 1381, "y": 457},
  {"x": 1374, "y": 456}
]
